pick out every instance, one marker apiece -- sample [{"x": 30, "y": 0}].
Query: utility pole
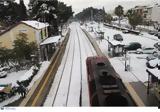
[
  {"x": 125, "y": 59},
  {"x": 91, "y": 14},
  {"x": 91, "y": 19}
]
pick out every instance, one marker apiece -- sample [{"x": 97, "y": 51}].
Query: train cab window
[{"x": 100, "y": 64}]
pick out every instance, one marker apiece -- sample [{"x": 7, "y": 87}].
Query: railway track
[
  {"x": 62, "y": 94},
  {"x": 67, "y": 71},
  {"x": 88, "y": 51},
  {"x": 38, "y": 93}
]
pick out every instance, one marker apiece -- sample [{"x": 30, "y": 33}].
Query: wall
[
  {"x": 156, "y": 13},
  {"x": 8, "y": 38},
  {"x": 33, "y": 35}
]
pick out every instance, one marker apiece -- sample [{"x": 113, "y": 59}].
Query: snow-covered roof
[
  {"x": 155, "y": 72},
  {"x": 114, "y": 42},
  {"x": 154, "y": 62},
  {"x": 36, "y": 24},
  {"x": 50, "y": 40}
]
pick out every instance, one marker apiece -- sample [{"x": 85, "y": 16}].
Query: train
[{"x": 105, "y": 86}]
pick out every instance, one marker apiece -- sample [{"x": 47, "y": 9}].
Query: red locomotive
[{"x": 105, "y": 86}]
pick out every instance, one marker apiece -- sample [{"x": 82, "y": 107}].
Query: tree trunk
[{"x": 119, "y": 21}]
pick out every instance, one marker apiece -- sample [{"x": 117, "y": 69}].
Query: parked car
[
  {"x": 3, "y": 74},
  {"x": 157, "y": 34},
  {"x": 157, "y": 45},
  {"x": 152, "y": 32},
  {"x": 133, "y": 46},
  {"x": 146, "y": 50},
  {"x": 125, "y": 31},
  {"x": 151, "y": 57},
  {"x": 118, "y": 37}
]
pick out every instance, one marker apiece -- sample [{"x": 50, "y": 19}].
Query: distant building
[
  {"x": 34, "y": 30},
  {"x": 156, "y": 16},
  {"x": 145, "y": 11}
]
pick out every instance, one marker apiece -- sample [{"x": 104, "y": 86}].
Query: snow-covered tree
[
  {"x": 119, "y": 12},
  {"x": 51, "y": 11},
  {"x": 46, "y": 11}
]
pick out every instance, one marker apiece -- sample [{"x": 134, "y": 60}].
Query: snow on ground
[
  {"x": 137, "y": 62},
  {"x": 61, "y": 96},
  {"x": 22, "y": 75},
  {"x": 128, "y": 38},
  {"x": 66, "y": 87},
  {"x": 12, "y": 77},
  {"x": 53, "y": 91},
  {"x": 87, "y": 50},
  {"x": 150, "y": 40},
  {"x": 40, "y": 73}
]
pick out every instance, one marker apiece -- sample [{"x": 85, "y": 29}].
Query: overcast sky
[{"x": 109, "y": 5}]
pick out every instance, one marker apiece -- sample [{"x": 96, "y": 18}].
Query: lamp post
[
  {"x": 125, "y": 51},
  {"x": 108, "y": 44}
]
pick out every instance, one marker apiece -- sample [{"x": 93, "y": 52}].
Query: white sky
[{"x": 109, "y": 5}]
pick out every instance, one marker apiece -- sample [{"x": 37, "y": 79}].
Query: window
[{"x": 22, "y": 30}]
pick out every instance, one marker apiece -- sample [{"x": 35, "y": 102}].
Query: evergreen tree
[
  {"x": 104, "y": 13},
  {"x": 22, "y": 10},
  {"x": 12, "y": 13},
  {"x": 98, "y": 14},
  {"x": 119, "y": 12},
  {"x": 108, "y": 18},
  {"x": 5, "y": 56},
  {"x": 53, "y": 12},
  {"x": 134, "y": 18},
  {"x": 64, "y": 12},
  {"x": 46, "y": 11},
  {"x": 23, "y": 49}
]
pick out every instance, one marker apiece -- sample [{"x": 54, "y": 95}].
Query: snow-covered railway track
[
  {"x": 59, "y": 78},
  {"x": 88, "y": 50},
  {"x": 70, "y": 87},
  {"x": 61, "y": 97}
]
